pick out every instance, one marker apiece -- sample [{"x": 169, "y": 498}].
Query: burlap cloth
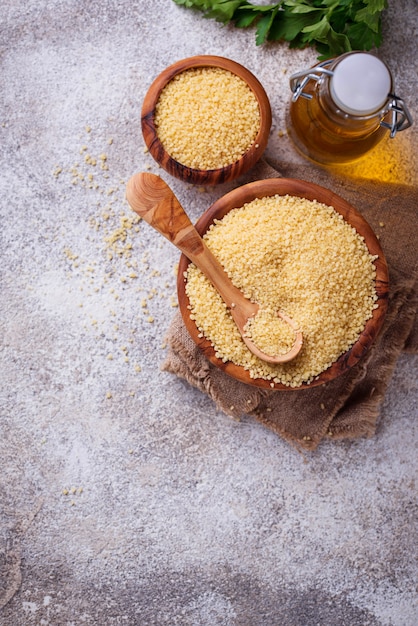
[{"x": 349, "y": 406}]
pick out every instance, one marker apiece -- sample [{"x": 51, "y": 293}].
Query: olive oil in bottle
[{"x": 343, "y": 107}]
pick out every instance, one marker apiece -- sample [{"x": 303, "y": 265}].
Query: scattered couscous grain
[
  {"x": 207, "y": 117},
  {"x": 294, "y": 255}
]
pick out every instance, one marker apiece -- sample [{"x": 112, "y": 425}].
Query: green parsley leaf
[
  {"x": 363, "y": 38},
  {"x": 290, "y": 25},
  {"x": 264, "y": 25},
  {"x": 332, "y": 26}
]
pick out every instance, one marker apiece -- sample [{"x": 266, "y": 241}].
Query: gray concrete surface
[{"x": 125, "y": 497}]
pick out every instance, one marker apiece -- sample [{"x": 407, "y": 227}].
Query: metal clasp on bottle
[
  {"x": 299, "y": 80},
  {"x": 400, "y": 117}
]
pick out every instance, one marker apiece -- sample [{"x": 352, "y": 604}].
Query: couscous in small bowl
[
  {"x": 308, "y": 251},
  {"x": 206, "y": 120}
]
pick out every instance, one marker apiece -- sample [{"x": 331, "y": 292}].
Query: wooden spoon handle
[{"x": 150, "y": 197}]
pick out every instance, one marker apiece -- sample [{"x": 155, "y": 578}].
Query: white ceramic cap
[{"x": 361, "y": 84}]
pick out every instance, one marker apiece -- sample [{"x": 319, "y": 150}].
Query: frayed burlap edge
[
  {"x": 346, "y": 408},
  {"x": 350, "y": 406}
]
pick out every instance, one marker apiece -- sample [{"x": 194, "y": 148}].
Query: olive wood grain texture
[
  {"x": 283, "y": 186},
  {"x": 188, "y": 174},
  {"x": 151, "y": 198}
]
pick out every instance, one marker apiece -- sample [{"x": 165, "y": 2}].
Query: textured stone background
[{"x": 125, "y": 497}]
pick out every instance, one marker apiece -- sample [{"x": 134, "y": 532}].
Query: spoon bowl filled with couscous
[
  {"x": 206, "y": 120},
  {"x": 295, "y": 246}
]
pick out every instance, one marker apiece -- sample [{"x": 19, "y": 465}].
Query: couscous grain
[
  {"x": 270, "y": 333},
  {"x": 207, "y": 118},
  {"x": 294, "y": 255}
]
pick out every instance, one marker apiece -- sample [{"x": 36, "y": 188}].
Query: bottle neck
[
  {"x": 360, "y": 84},
  {"x": 339, "y": 117},
  {"x": 337, "y": 100}
]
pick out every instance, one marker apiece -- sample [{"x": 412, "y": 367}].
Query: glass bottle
[{"x": 342, "y": 107}]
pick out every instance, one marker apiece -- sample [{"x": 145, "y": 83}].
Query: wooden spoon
[{"x": 150, "y": 197}]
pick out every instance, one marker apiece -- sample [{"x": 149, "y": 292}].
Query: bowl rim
[
  {"x": 311, "y": 191},
  {"x": 189, "y": 174}
]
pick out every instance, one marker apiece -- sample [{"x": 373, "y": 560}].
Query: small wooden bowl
[
  {"x": 188, "y": 174},
  {"x": 288, "y": 186}
]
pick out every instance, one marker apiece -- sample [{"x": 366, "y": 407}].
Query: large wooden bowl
[
  {"x": 188, "y": 174},
  {"x": 310, "y": 191}
]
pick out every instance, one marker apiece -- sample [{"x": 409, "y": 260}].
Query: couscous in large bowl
[{"x": 299, "y": 247}]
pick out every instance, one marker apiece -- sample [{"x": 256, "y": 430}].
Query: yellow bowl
[
  {"x": 287, "y": 186},
  {"x": 200, "y": 176}
]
